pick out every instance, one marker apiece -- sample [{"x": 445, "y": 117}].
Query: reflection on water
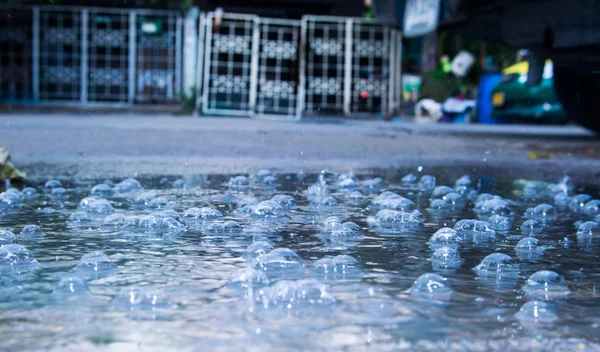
[{"x": 282, "y": 262}]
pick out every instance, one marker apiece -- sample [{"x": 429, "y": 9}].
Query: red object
[{"x": 364, "y": 95}]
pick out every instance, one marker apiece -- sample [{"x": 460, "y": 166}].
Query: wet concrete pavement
[{"x": 91, "y": 146}]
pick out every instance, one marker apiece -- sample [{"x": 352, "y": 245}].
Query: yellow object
[
  {"x": 534, "y": 155},
  {"x": 498, "y": 99},
  {"x": 521, "y": 68},
  {"x": 7, "y": 170}
]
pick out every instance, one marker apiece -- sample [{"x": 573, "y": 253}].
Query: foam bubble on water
[
  {"x": 286, "y": 201},
  {"x": 282, "y": 263},
  {"x": 265, "y": 177},
  {"x": 499, "y": 222},
  {"x": 438, "y": 207},
  {"x": 95, "y": 206},
  {"x": 464, "y": 181},
  {"x": 143, "y": 199},
  {"x": 431, "y": 286},
  {"x": 7, "y": 237},
  {"x": 29, "y": 193},
  {"x": 426, "y": 183},
  {"x": 161, "y": 203},
  {"x": 116, "y": 220},
  {"x": 391, "y": 200},
  {"x": 257, "y": 249},
  {"x": 372, "y": 185},
  {"x": 475, "y": 230},
  {"x": 531, "y": 227},
  {"x": 239, "y": 182},
  {"x": 445, "y": 237},
  {"x": 268, "y": 209},
  {"x": 446, "y": 258},
  {"x": 9, "y": 201},
  {"x": 588, "y": 233},
  {"x": 338, "y": 268},
  {"x": 31, "y": 232},
  {"x": 493, "y": 206},
  {"x": 528, "y": 247},
  {"x": 543, "y": 212},
  {"x": 538, "y": 312},
  {"x": 390, "y": 219},
  {"x": 499, "y": 266},
  {"x": 245, "y": 207},
  {"x": 59, "y": 193},
  {"x": 592, "y": 208},
  {"x": 546, "y": 284},
  {"x": 95, "y": 265},
  {"x": 577, "y": 203},
  {"x": 409, "y": 179},
  {"x": 102, "y": 190},
  {"x": 127, "y": 185},
  {"x": 16, "y": 256},
  {"x": 52, "y": 184},
  {"x": 440, "y": 191},
  {"x": 204, "y": 214},
  {"x": 335, "y": 228},
  {"x": 71, "y": 286},
  {"x": 79, "y": 219},
  {"x": 292, "y": 295},
  {"x": 248, "y": 278},
  {"x": 228, "y": 227}
]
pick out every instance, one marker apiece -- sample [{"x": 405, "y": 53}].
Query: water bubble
[
  {"x": 31, "y": 231},
  {"x": 528, "y": 247},
  {"x": 101, "y": 190},
  {"x": 438, "y": 206},
  {"x": 59, "y": 193},
  {"x": 493, "y": 206},
  {"x": 282, "y": 263},
  {"x": 347, "y": 181},
  {"x": 52, "y": 184},
  {"x": 499, "y": 266},
  {"x": 355, "y": 198},
  {"x": 531, "y": 228},
  {"x": 543, "y": 213},
  {"x": 95, "y": 206},
  {"x": 29, "y": 193},
  {"x": 16, "y": 256},
  {"x": 440, "y": 191},
  {"x": 7, "y": 237},
  {"x": 431, "y": 286},
  {"x": 9, "y": 200},
  {"x": 268, "y": 209},
  {"x": 71, "y": 286},
  {"x": 204, "y": 213},
  {"x": 334, "y": 228},
  {"x": 265, "y": 177},
  {"x": 391, "y": 200},
  {"x": 475, "y": 230},
  {"x": 446, "y": 258},
  {"x": 389, "y": 219},
  {"x": 179, "y": 183},
  {"x": 338, "y": 268},
  {"x": 79, "y": 219},
  {"x": 160, "y": 203},
  {"x": 248, "y": 278},
  {"x": 499, "y": 223},
  {"x": 245, "y": 207},
  {"x": 539, "y": 312},
  {"x": 299, "y": 294},
  {"x": 445, "y": 237},
  {"x": 143, "y": 199},
  {"x": 115, "y": 220},
  {"x": 373, "y": 185},
  {"x": 257, "y": 249},
  {"x": 592, "y": 208},
  {"x": 427, "y": 183},
  {"x": 577, "y": 203},
  {"x": 546, "y": 284},
  {"x": 95, "y": 265},
  {"x": 286, "y": 201},
  {"x": 239, "y": 182},
  {"x": 409, "y": 179},
  {"x": 127, "y": 185},
  {"x": 588, "y": 233},
  {"x": 464, "y": 181},
  {"x": 139, "y": 300}
]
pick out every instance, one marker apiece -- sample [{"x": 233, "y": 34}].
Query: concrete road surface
[{"x": 92, "y": 146}]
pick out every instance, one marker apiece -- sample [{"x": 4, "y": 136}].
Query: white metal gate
[{"x": 230, "y": 68}]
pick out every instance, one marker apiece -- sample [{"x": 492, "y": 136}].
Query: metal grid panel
[
  {"x": 277, "y": 90},
  {"x": 60, "y": 55},
  {"x": 230, "y": 54},
  {"x": 324, "y": 64},
  {"x": 371, "y": 63},
  {"x": 108, "y": 47},
  {"x": 156, "y": 60},
  {"x": 15, "y": 54}
]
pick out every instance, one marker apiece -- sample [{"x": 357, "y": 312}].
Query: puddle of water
[{"x": 280, "y": 262}]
